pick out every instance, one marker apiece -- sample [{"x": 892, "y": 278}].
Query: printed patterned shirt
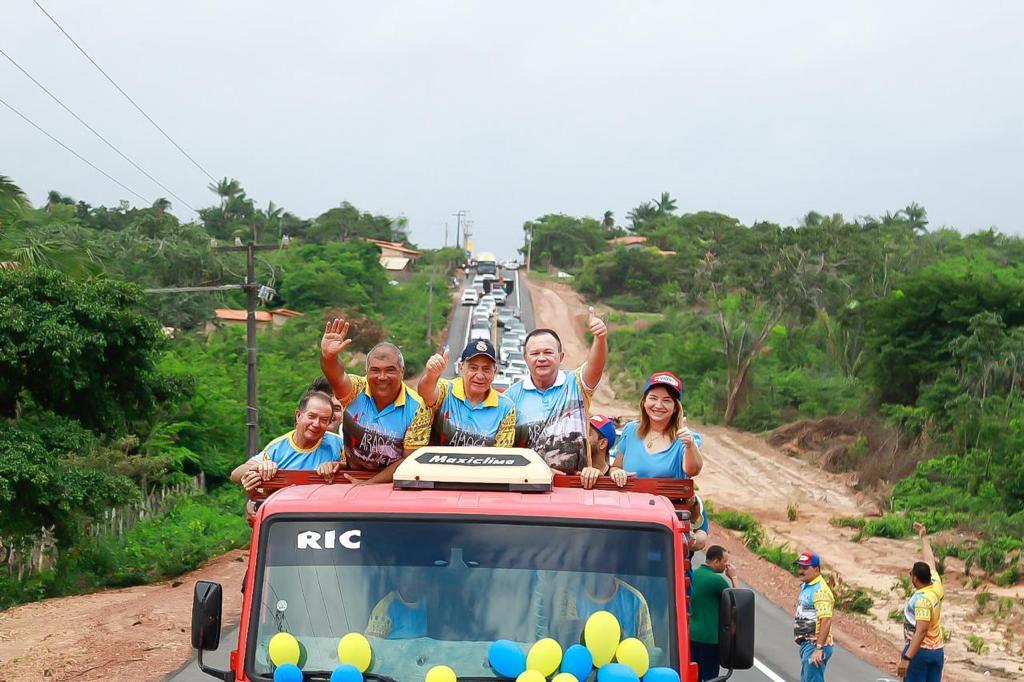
[
  {"x": 925, "y": 604},
  {"x": 393, "y": 618},
  {"x": 553, "y": 421},
  {"x": 627, "y": 604},
  {"x": 375, "y": 439},
  {"x": 814, "y": 603},
  {"x": 287, "y": 455},
  {"x": 492, "y": 423}
]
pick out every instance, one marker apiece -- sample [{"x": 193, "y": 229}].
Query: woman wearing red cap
[{"x": 659, "y": 445}]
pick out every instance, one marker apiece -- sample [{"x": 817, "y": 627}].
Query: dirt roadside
[
  {"x": 744, "y": 473},
  {"x": 137, "y": 633}
]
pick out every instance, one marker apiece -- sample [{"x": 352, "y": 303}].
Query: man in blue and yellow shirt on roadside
[
  {"x": 384, "y": 419},
  {"x": 813, "y": 618},
  {"x": 923, "y": 656},
  {"x": 467, "y": 411}
]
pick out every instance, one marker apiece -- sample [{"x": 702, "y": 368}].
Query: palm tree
[
  {"x": 666, "y": 204},
  {"x": 161, "y": 205},
  {"x": 641, "y": 215},
  {"x": 12, "y": 199},
  {"x": 608, "y": 221},
  {"x": 915, "y": 216}
]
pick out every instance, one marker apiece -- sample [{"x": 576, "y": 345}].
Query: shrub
[
  {"x": 976, "y": 645},
  {"x": 781, "y": 555},
  {"x": 981, "y": 601},
  {"x": 792, "y": 509},
  {"x": 903, "y": 586},
  {"x": 1009, "y": 577},
  {"x": 847, "y": 522},
  {"x": 896, "y": 615},
  {"x": 889, "y": 526},
  {"x": 854, "y": 600},
  {"x": 754, "y": 537},
  {"x": 734, "y": 520}
]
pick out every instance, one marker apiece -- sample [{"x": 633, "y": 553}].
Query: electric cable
[
  {"x": 119, "y": 89},
  {"x": 93, "y": 130},
  {"x": 80, "y": 157}
]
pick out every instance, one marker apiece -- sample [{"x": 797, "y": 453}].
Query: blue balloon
[
  {"x": 661, "y": 675},
  {"x": 616, "y": 672},
  {"x": 346, "y": 672},
  {"x": 289, "y": 672},
  {"x": 578, "y": 661},
  {"x": 506, "y": 658}
]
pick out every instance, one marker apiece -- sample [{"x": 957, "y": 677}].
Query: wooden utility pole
[{"x": 252, "y": 420}]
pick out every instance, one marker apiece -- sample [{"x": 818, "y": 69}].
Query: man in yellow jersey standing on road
[{"x": 923, "y": 655}]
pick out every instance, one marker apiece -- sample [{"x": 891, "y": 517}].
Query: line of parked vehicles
[{"x": 491, "y": 315}]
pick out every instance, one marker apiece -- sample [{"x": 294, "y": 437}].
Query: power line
[
  {"x": 80, "y": 157},
  {"x": 93, "y": 130},
  {"x": 126, "y": 96}
]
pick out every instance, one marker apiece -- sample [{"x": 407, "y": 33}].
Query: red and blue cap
[
  {"x": 808, "y": 559},
  {"x": 604, "y": 426},
  {"x": 667, "y": 380}
]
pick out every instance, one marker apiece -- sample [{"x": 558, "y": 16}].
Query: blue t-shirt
[
  {"x": 553, "y": 422},
  {"x": 631, "y": 454},
  {"x": 283, "y": 452}
]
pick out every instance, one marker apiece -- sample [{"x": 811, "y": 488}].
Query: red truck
[{"x": 467, "y": 547}]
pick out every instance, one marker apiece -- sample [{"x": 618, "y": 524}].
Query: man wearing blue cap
[
  {"x": 813, "y": 619},
  {"x": 467, "y": 411}
]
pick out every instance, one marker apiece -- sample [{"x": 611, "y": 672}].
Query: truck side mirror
[
  {"x": 206, "y": 610},
  {"x": 510, "y": 285},
  {"x": 736, "y": 629}
]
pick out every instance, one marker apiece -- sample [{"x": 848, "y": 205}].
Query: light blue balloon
[
  {"x": 346, "y": 672},
  {"x": 616, "y": 672},
  {"x": 661, "y": 675},
  {"x": 289, "y": 672},
  {"x": 506, "y": 658},
  {"x": 578, "y": 661}
]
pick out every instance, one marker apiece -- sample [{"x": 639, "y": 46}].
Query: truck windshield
[{"x": 439, "y": 592}]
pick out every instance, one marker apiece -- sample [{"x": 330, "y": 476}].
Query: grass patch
[
  {"x": 734, "y": 520},
  {"x": 191, "y": 532},
  {"x": 855, "y": 522}
]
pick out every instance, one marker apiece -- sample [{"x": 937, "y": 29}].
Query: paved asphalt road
[{"x": 777, "y": 659}]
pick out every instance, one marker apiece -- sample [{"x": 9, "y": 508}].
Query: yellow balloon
[
  {"x": 633, "y": 653},
  {"x": 544, "y": 656},
  {"x": 564, "y": 677},
  {"x": 440, "y": 673},
  {"x": 530, "y": 676},
  {"x": 601, "y": 635},
  {"x": 354, "y": 649},
  {"x": 283, "y": 648}
]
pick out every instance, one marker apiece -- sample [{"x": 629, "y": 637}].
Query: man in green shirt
[{"x": 707, "y": 587}]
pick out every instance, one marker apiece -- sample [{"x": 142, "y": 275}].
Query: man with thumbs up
[
  {"x": 467, "y": 411},
  {"x": 552, "y": 405},
  {"x": 384, "y": 419}
]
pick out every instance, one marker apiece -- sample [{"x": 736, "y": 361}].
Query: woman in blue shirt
[{"x": 659, "y": 445}]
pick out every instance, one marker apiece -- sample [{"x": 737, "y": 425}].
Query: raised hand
[
  {"x": 685, "y": 434},
  {"x": 437, "y": 364},
  {"x": 595, "y": 324},
  {"x": 335, "y": 338},
  {"x": 920, "y": 529}
]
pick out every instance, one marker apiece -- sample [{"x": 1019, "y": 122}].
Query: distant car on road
[
  {"x": 499, "y": 296},
  {"x": 501, "y": 383},
  {"x": 470, "y": 297},
  {"x": 479, "y": 333},
  {"x": 511, "y": 264}
]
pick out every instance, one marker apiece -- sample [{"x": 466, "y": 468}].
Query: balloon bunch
[
  {"x": 289, "y": 656},
  {"x": 601, "y": 635}
]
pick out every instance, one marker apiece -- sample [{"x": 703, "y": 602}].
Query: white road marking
[
  {"x": 767, "y": 672},
  {"x": 518, "y": 302}
]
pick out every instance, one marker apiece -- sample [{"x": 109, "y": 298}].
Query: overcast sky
[{"x": 762, "y": 110}]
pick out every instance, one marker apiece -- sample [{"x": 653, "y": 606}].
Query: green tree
[{"x": 84, "y": 350}]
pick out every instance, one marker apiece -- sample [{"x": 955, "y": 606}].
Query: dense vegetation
[
  {"x": 922, "y": 330},
  {"x": 99, "y": 405}
]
